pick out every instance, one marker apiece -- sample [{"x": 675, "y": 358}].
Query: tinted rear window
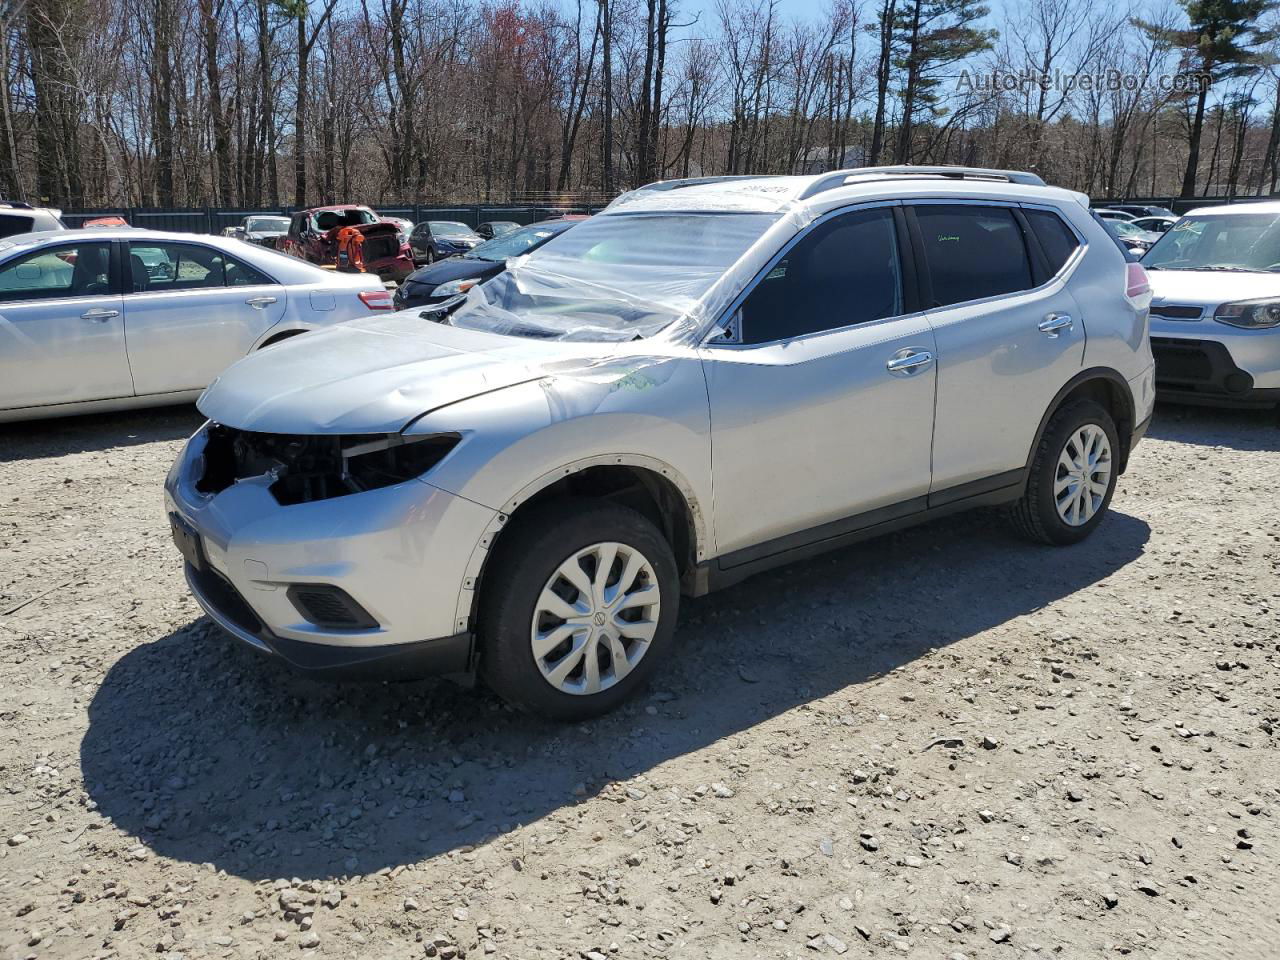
[
  {"x": 1056, "y": 238},
  {"x": 973, "y": 252},
  {"x": 11, "y": 225}
]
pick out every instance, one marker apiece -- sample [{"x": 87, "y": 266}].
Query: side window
[
  {"x": 75, "y": 271},
  {"x": 240, "y": 274},
  {"x": 972, "y": 252},
  {"x": 164, "y": 267},
  {"x": 11, "y": 224},
  {"x": 1056, "y": 238},
  {"x": 842, "y": 272}
]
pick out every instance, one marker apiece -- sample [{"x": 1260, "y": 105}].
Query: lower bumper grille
[{"x": 226, "y": 599}]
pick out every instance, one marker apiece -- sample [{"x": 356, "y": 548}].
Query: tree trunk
[
  {"x": 300, "y": 116},
  {"x": 883, "y": 65},
  {"x": 210, "y": 13},
  {"x": 1193, "y": 145}
]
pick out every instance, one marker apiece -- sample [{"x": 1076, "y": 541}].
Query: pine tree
[
  {"x": 930, "y": 36},
  {"x": 1218, "y": 45}
]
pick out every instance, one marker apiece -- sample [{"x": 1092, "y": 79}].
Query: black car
[
  {"x": 496, "y": 228},
  {"x": 433, "y": 240},
  {"x": 456, "y": 275},
  {"x": 264, "y": 230}
]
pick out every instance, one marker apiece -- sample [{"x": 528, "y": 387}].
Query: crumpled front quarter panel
[{"x": 652, "y": 407}]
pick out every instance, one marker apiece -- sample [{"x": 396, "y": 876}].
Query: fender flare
[
  {"x": 480, "y": 553},
  {"x": 1093, "y": 373}
]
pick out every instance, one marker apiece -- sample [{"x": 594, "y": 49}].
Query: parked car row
[{"x": 110, "y": 318}]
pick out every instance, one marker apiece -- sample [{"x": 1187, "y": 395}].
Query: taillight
[
  {"x": 1137, "y": 288},
  {"x": 376, "y": 299}
]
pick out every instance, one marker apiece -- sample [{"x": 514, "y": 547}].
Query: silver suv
[{"x": 710, "y": 378}]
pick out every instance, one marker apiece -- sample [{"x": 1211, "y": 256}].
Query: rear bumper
[
  {"x": 399, "y": 661},
  {"x": 1207, "y": 372},
  {"x": 391, "y": 268}
]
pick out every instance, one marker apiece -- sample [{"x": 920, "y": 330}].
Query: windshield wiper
[{"x": 1224, "y": 268}]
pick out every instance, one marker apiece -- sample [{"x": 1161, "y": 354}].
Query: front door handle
[
  {"x": 260, "y": 302},
  {"x": 1055, "y": 323},
  {"x": 908, "y": 361},
  {"x": 99, "y": 315}
]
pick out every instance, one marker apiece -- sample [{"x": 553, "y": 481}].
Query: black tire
[
  {"x": 431, "y": 256},
  {"x": 1036, "y": 515},
  {"x": 528, "y": 554}
]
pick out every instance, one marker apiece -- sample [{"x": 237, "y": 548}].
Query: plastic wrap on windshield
[{"x": 628, "y": 276}]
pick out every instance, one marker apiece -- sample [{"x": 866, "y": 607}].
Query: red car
[{"x": 313, "y": 236}]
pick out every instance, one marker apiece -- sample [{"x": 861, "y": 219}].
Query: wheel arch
[
  {"x": 650, "y": 486},
  {"x": 1105, "y": 386}
]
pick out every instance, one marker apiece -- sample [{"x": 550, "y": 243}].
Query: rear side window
[
  {"x": 842, "y": 272},
  {"x": 972, "y": 252},
  {"x": 1056, "y": 239}
]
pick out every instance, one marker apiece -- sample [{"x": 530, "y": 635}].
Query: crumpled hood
[
  {"x": 373, "y": 375},
  {"x": 1210, "y": 288}
]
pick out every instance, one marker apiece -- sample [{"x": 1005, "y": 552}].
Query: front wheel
[
  {"x": 578, "y": 609},
  {"x": 1073, "y": 476}
]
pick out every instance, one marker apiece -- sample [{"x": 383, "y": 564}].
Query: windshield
[
  {"x": 614, "y": 277},
  {"x": 450, "y": 228},
  {"x": 267, "y": 223},
  {"x": 1225, "y": 241},
  {"x": 1126, "y": 229},
  {"x": 515, "y": 243}
]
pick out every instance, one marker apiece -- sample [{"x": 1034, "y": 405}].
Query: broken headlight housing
[{"x": 306, "y": 468}]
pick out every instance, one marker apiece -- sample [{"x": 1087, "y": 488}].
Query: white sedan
[{"x": 113, "y": 318}]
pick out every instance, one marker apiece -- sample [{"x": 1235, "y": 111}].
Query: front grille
[
  {"x": 307, "y": 468},
  {"x": 226, "y": 599},
  {"x": 1182, "y": 360},
  {"x": 1172, "y": 311},
  {"x": 331, "y": 607}
]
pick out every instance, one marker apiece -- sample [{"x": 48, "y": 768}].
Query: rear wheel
[
  {"x": 1073, "y": 476},
  {"x": 578, "y": 609}
]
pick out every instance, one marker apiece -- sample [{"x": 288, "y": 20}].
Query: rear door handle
[
  {"x": 260, "y": 302},
  {"x": 908, "y": 361},
  {"x": 1054, "y": 323},
  {"x": 99, "y": 315}
]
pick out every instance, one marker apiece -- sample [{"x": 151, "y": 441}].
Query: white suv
[
  {"x": 710, "y": 378},
  {"x": 1215, "y": 312}
]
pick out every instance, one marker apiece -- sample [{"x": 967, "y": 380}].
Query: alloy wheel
[
  {"x": 595, "y": 618},
  {"x": 1083, "y": 476}
]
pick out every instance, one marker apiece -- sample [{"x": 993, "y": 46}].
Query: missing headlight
[{"x": 307, "y": 468}]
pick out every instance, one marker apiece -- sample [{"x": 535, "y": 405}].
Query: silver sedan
[{"x": 114, "y": 318}]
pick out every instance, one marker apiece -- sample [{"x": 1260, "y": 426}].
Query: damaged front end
[{"x": 305, "y": 468}]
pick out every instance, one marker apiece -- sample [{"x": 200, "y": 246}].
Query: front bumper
[
  {"x": 410, "y": 294},
  {"x": 424, "y": 658},
  {"x": 400, "y": 552},
  {"x": 1203, "y": 361}
]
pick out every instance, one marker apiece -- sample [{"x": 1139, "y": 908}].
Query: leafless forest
[{"x": 272, "y": 102}]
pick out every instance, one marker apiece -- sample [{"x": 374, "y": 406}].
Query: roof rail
[
  {"x": 841, "y": 177},
  {"x": 696, "y": 181}
]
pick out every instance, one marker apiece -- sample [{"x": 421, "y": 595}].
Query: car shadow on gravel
[
  {"x": 1216, "y": 427},
  {"x": 57, "y": 437},
  {"x": 209, "y": 753}
]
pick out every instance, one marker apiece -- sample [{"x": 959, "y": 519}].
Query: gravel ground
[{"x": 946, "y": 743}]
